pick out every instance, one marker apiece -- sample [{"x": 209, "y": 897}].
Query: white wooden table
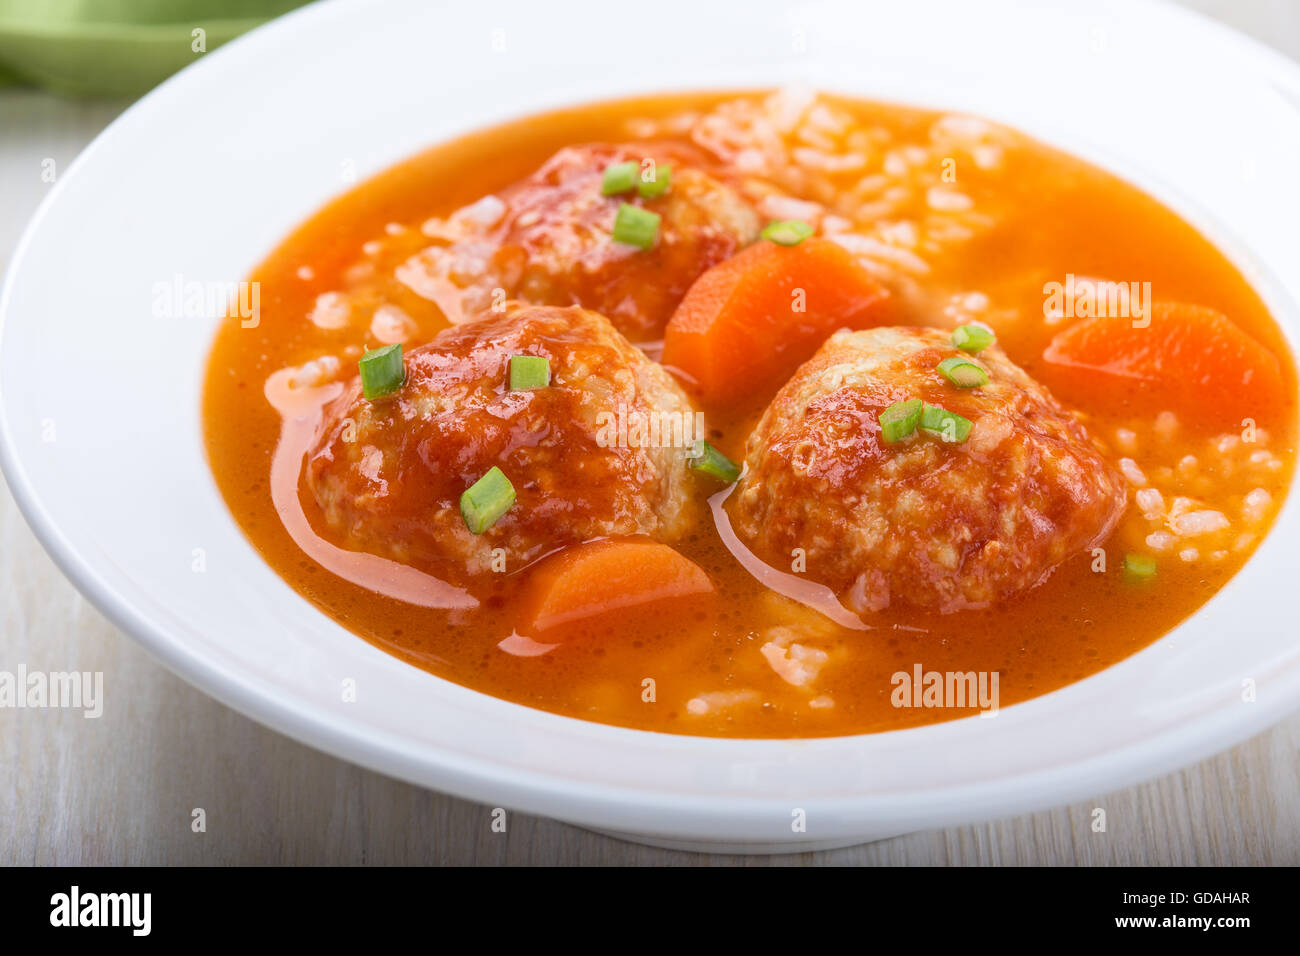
[{"x": 121, "y": 789}]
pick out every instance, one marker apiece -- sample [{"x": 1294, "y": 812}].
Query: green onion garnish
[
  {"x": 972, "y": 338},
  {"x": 619, "y": 178},
  {"x": 1139, "y": 567},
  {"x": 529, "y": 371},
  {"x": 949, "y": 426},
  {"x": 485, "y": 501},
  {"x": 636, "y": 226},
  {"x": 963, "y": 373},
  {"x": 382, "y": 372},
  {"x": 900, "y": 419},
  {"x": 653, "y": 188},
  {"x": 788, "y": 232},
  {"x": 707, "y": 459}
]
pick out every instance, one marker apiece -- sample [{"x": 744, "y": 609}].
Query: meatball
[
  {"x": 388, "y": 474},
  {"x": 547, "y": 240},
  {"x": 925, "y": 522}
]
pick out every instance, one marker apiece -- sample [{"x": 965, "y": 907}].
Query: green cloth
[{"x": 114, "y": 48}]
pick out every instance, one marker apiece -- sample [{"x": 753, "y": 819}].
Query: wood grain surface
[{"x": 122, "y": 789}]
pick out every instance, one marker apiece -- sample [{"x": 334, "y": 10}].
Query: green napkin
[{"x": 114, "y": 48}]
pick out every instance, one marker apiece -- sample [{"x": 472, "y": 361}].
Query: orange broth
[{"x": 1051, "y": 216}]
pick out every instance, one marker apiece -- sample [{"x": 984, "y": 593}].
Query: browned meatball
[
  {"x": 923, "y": 522},
  {"x": 548, "y": 240},
  {"x": 388, "y": 474}
]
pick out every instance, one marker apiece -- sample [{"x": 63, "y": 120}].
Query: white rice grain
[
  {"x": 331, "y": 311},
  {"x": 823, "y": 162},
  {"x": 719, "y": 700},
  {"x": 1160, "y": 540},
  {"x": 796, "y": 664},
  {"x": 751, "y": 160},
  {"x": 1151, "y": 502},
  {"x": 895, "y": 165},
  {"x": 1130, "y": 470},
  {"x": 316, "y": 372},
  {"x": 1166, "y": 425},
  {"x": 898, "y": 233},
  {"x": 485, "y": 212},
  {"x": 947, "y": 200},
  {"x": 391, "y": 325},
  {"x": 882, "y": 251},
  {"x": 1195, "y": 523},
  {"x": 959, "y": 126},
  {"x": 787, "y": 106},
  {"x": 1254, "y": 508},
  {"x": 987, "y": 156},
  {"x": 787, "y": 207}
]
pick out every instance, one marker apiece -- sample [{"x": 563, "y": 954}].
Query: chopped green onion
[
  {"x": 636, "y": 226},
  {"x": 949, "y": 426},
  {"x": 485, "y": 501},
  {"x": 963, "y": 373},
  {"x": 529, "y": 371},
  {"x": 653, "y": 188},
  {"x": 707, "y": 459},
  {"x": 972, "y": 338},
  {"x": 788, "y": 232},
  {"x": 619, "y": 178},
  {"x": 382, "y": 372},
  {"x": 900, "y": 419},
  {"x": 1139, "y": 567}
]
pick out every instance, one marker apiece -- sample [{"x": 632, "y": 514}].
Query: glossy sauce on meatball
[
  {"x": 388, "y": 474},
  {"x": 922, "y": 521},
  {"x": 548, "y": 239}
]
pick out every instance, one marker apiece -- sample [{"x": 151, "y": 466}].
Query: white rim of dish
[{"x": 595, "y": 804}]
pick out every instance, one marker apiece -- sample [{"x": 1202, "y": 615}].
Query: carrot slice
[
  {"x": 1190, "y": 360},
  {"x": 751, "y": 320},
  {"x": 604, "y": 576}
]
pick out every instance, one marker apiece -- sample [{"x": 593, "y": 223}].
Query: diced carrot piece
[
  {"x": 750, "y": 321},
  {"x": 1190, "y": 360},
  {"x": 603, "y": 576}
]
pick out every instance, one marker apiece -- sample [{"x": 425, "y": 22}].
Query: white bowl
[{"x": 99, "y": 400}]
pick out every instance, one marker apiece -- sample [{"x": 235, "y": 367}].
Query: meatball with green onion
[
  {"x": 623, "y": 230},
  {"x": 913, "y": 472},
  {"x": 502, "y": 439}
]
